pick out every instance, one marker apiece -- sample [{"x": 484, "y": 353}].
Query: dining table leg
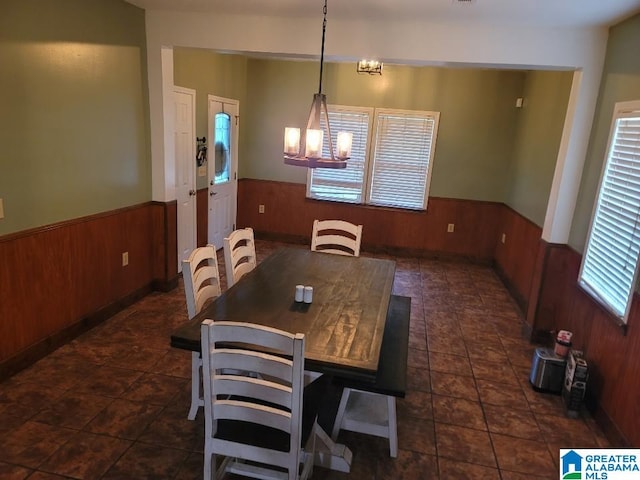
[{"x": 331, "y": 455}]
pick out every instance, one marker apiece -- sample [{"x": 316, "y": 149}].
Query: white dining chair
[
  {"x": 336, "y": 236},
  {"x": 201, "y": 284},
  {"x": 239, "y": 254},
  {"x": 256, "y": 423}
]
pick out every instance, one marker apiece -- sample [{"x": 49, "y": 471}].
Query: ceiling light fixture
[
  {"x": 372, "y": 67},
  {"x": 310, "y": 155}
]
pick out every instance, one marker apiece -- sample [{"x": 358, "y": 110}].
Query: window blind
[
  {"x": 609, "y": 266},
  {"x": 346, "y": 185},
  {"x": 400, "y": 171}
]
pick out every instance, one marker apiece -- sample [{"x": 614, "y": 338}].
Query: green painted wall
[
  {"x": 74, "y": 117},
  {"x": 477, "y": 122},
  {"x": 210, "y": 73},
  {"x": 620, "y": 82},
  {"x": 487, "y": 149},
  {"x": 537, "y": 139}
]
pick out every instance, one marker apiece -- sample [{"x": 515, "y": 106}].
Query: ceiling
[{"x": 532, "y": 13}]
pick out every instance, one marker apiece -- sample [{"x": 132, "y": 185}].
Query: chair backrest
[
  {"x": 342, "y": 238},
  {"x": 239, "y": 254},
  {"x": 274, "y": 399},
  {"x": 201, "y": 278}
]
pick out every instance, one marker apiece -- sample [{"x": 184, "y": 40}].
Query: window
[
  {"x": 343, "y": 185},
  {"x": 222, "y": 147},
  {"x": 390, "y": 162},
  {"x": 609, "y": 266}
]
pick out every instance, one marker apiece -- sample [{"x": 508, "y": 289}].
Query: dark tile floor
[{"x": 113, "y": 403}]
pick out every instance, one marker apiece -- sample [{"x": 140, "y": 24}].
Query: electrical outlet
[
  {"x": 260, "y": 208},
  {"x": 125, "y": 259},
  {"x": 450, "y": 228},
  {"x": 1, "y": 209},
  {"x": 503, "y": 238}
]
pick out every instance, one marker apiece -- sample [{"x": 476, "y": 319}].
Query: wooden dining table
[{"x": 343, "y": 325}]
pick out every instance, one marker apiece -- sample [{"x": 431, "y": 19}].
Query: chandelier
[
  {"x": 309, "y": 154},
  {"x": 372, "y": 67}
]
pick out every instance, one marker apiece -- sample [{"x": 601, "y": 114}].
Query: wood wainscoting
[
  {"x": 478, "y": 230},
  {"x": 289, "y": 215},
  {"x": 164, "y": 245},
  {"x": 202, "y": 217},
  {"x": 516, "y": 258},
  {"x": 613, "y": 387},
  {"x": 59, "y": 280}
]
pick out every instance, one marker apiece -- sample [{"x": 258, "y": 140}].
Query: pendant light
[{"x": 309, "y": 153}]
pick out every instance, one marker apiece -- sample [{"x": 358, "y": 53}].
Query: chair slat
[
  {"x": 205, "y": 294},
  {"x": 239, "y": 386},
  {"x": 207, "y": 276},
  {"x": 246, "y": 333},
  {"x": 253, "y": 413},
  {"x": 261, "y": 363}
]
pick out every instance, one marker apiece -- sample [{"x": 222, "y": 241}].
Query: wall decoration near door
[{"x": 201, "y": 150}]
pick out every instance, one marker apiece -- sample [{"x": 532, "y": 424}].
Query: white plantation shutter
[
  {"x": 402, "y": 158},
  {"x": 345, "y": 185},
  {"x": 610, "y": 261}
]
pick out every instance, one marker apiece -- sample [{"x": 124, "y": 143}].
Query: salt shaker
[
  {"x": 308, "y": 294},
  {"x": 299, "y": 293}
]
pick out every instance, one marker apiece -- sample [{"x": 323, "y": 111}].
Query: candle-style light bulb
[
  {"x": 314, "y": 143},
  {"x": 292, "y": 141},
  {"x": 344, "y": 144}
]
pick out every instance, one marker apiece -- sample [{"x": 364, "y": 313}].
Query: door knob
[
  {"x": 192, "y": 192},
  {"x": 211, "y": 194}
]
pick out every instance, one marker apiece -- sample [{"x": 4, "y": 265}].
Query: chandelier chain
[{"x": 324, "y": 29}]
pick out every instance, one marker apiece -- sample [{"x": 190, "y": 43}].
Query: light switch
[{"x": 1, "y": 209}]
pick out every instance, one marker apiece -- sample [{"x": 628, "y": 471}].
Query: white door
[
  {"x": 222, "y": 167},
  {"x": 185, "y": 140}
]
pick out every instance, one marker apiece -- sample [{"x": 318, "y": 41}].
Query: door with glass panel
[{"x": 222, "y": 167}]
